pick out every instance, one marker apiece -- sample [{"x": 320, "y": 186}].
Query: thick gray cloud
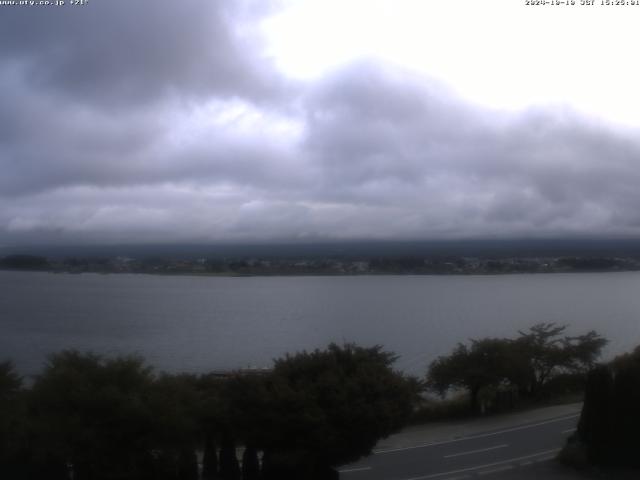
[
  {"x": 122, "y": 52},
  {"x": 165, "y": 121},
  {"x": 386, "y": 138}
]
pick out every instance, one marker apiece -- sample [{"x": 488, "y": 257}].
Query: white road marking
[
  {"x": 544, "y": 459},
  {"x": 358, "y": 469},
  {"x": 476, "y": 451},
  {"x": 569, "y": 430},
  {"x": 496, "y": 470},
  {"x": 471, "y": 437},
  {"x": 487, "y": 465}
]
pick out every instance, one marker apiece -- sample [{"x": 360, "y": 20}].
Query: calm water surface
[{"x": 182, "y": 323}]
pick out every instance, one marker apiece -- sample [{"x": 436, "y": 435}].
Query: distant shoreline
[
  {"x": 322, "y": 266},
  {"x": 319, "y": 274}
]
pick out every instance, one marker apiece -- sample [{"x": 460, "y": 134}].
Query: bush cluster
[{"x": 88, "y": 417}]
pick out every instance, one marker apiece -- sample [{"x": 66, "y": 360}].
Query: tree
[
  {"x": 583, "y": 351},
  {"x": 325, "y": 408},
  {"x": 250, "y": 464},
  {"x": 229, "y": 466},
  {"x": 528, "y": 362},
  {"x": 173, "y": 400},
  {"x": 610, "y": 419},
  {"x": 209, "y": 458},
  {"x": 10, "y": 381},
  {"x": 548, "y": 353},
  {"x": 626, "y": 409},
  {"x": 92, "y": 413},
  {"x": 595, "y": 425},
  {"x": 215, "y": 409},
  {"x": 485, "y": 363},
  {"x": 12, "y": 422}
]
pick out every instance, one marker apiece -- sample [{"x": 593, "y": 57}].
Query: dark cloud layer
[
  {"x": 165, "y": 121},
  {"x": 126, "y": 52}
]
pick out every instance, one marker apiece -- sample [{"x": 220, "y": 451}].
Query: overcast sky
[{"x": 213, "y": 120}]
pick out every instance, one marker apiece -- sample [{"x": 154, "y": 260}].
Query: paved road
[{"x": 493, "y": 453}]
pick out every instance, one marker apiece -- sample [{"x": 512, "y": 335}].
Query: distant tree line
[
  {"x": 527, "y": 365},
  {"x": 86, "y": 417},
  {"x": 330, "y": 265},
  {"x": 24, "y": 262}
]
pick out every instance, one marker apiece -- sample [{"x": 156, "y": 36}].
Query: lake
[{"x": 195, "y": 324}]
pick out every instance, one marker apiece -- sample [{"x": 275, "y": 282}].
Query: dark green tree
[
  {"x": 229, "y": 466},
  {"x": 13, "y": 428},
  {"x": 250, "y": 464},
  {"x": 173, "y": 400},
  {"x": 10, "y": 381},
  {"x": 610, "y": 419},
  {"x": 329, "y": 407},
  {"x": 214, "y": 418},
  {"x": 528, "y": 362},
  {"x": 596, "y": 420},
  {"x": 91, "y": 413},
  {"x": 548, "y": 352},
  {"x": 487, "y": 362},
  {"x": 626, "y": 409},
  {"x": 187, "y": 463},
  {"x": 210, "y": 458}
]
